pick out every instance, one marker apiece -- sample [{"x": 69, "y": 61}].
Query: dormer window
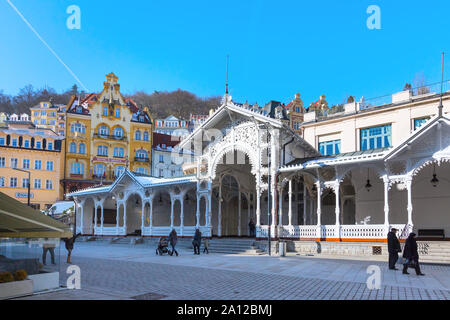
[{"x": 79, "y": 109}]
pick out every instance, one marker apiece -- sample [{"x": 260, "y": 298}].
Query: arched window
[
  {"x": 82, "y": 148},
  {"x": 142, "y": 154},
  {"x": 118, "y": 132},
  {"x": 77, "y": 168},
  {"x": 103, "y": 131},
  {"x": 77, "y": 127},
  {"x": 118, "y": 152},
  {"x": 118, "y": 171},
  {"x": 146, "y": 136},
  {"x": 102, "y": 150},
  {"x": 100, "y": 171},
  {"x": 137, "y": 135},
  {"x": 73, "y": 147}
]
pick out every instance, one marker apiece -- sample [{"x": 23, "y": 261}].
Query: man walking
[
  {"x": 251, "y": 227},
  {"x": 69, "y": 246},
  {"x": 173, "y": 239},
  {"x": 197, "y": 242},
  {"x": 393, "y": 248},
  {"x": 411, "y": 255}
]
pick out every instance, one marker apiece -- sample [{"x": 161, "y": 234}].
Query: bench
[{"x": 432, "y": 233}]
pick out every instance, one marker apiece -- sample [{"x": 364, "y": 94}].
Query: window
[
  {"x": 146, "y": 136},
  {"x": 79, "y": 109},
  {"x": 52, "y": 114},
  {"x": 118, "y": 152},
  {"x": 100, "y": 170},
  {"x": 14, "y": 142},
  {"x": 13, "y": 182},
  {"x": 50, "y": 146},
  {"x": 73, "y": 147},
  {"x": 37, "y": 164},
  {"x": 49, "y": 184},
  {"x": 141, "y": 154},
  {"x": 52, "y": 122},
  {"x": 103, "y": 131},
  {"x": 26, "y": 163},
  {"x": 2, "y": 141},
  {"x": 2, "y": 181},
  {"x": 118, "y": 132},
  {"x": 172, "y": 173},
  {"x": 118, "y": 171},
  {"x": 137, "y": 135},
  {"x": 161, "y": 158},
  {"x": 2, "y": 162},
  {"x": 43, "y": 112},
  {"x": 376, "y": 137},
  {"x": 77, "y": 127},
  {"x": 141, "y": 170},
  {"x": 43, "y": 121},
  {"x": 36, "y": 113},
  {"x": 102, "y": 151},
  {"x": 27, "y": 144},
  {"x": 14, "y": 163},
  {"x": 117, "y": 113},
  {"x": 161, "y": 172},
  {"x": 329, "y": 148},
  {"x": 25, "y": 183},
  {"x": 419, "y": 122},
  {"x": 82, "y": 148},
  {"x": 105, "y": 111},
  {"x": 37, "y": 183},
  {"x": 49, "y": 165},
  {"x": 77, "y": 168},
  {"x": 38, "y": 144}
]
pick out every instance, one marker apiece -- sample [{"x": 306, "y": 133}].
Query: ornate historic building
[
  {"x": 106, "y": 134},
  {"x": 250, "y": 164}
]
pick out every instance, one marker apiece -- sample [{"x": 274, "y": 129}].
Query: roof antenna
[
  {"x": 226, "y": 87},
  {"x": 441, "y": 106}
]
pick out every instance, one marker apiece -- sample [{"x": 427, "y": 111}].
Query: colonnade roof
[{"x": 141, "y": 180}]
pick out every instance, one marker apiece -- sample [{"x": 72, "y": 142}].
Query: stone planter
[
  {"x": 16, "y": 289},
  {"x": 44, "y": 281}
]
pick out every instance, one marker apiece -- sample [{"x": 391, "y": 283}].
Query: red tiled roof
[{"x": 168, "y": 140}]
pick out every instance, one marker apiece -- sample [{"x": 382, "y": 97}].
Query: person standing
[
  {"x": 197, "y": 241},
  {"x": 251, "y": 226},
  {"x": 69, "y": 246},
  {"x": 173, "y": 239},
  {"x": 48, "y": 247},
  {"x": 206, "y": 246},
  {"x": 393, "y": 248},
  {"x": 411, "y": 255}
]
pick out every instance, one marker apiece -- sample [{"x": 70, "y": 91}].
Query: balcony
[
  {"x": 110, "y": 137},
  {"x": 140, "y": 159}
]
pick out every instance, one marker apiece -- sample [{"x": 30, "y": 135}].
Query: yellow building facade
[
  {"x": 50, "y": 116},
  {"x": 38, "y": 151},
  {"x": 106, "y": 134}
]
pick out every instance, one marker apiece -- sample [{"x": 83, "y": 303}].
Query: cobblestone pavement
[{"x": 124, "y": 272}]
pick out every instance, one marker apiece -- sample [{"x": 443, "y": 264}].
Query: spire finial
[{"x": 441, "y": 106}]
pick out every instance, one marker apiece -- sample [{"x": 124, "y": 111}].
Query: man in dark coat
[
  {"x": 393, "y": 248},
  {"x": 251, "y": 226},
  {"x": 197, "y": 241},
  {"x": 69, "y": 245},
  {"x": 411, "y": 255},
  {"x": 173, "y": 239}
]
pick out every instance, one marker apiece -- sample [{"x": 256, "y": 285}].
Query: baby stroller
[{"x": 163, "y": 247}]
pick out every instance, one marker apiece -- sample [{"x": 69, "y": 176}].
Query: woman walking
[
  {"x": 197, "y": 241},
  {"x": 411, "y": 255},
  {"x": 173, "y": 241}
]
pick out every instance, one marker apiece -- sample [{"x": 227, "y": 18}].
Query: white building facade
[{"x": 253, "y": 166}]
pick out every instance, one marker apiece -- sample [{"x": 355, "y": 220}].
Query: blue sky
[{"x": 276, "y": 48}]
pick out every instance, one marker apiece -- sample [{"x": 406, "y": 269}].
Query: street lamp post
[{"x": 29, "y": 179}]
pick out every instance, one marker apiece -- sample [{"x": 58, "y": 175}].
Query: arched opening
[
  {"x": 202, "y": 210},
  {"x": 161, "y": 209},
  {"x": 431, "y": 200},
  {"x": 88, "y": 216},
  {"x": 190, "y": 208},
  {"x": 134, "y": 215},
  {"x": 177, "y": 213}
]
